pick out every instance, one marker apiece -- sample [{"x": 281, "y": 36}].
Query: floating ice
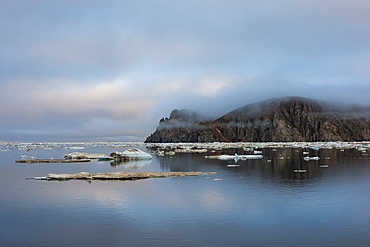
[
  {"x": 311, "y": 158},
  {"x": 131, "y": 154}
]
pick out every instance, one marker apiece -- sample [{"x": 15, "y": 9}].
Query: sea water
[{"x": 279, "y": 200}]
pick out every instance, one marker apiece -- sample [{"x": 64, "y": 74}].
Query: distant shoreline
[{"x": 207, "y": 145}]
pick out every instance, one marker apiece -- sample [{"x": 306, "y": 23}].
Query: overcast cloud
[{"x": 109, "y": 70}]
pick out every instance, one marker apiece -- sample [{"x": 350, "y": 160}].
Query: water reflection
[
  {"x": 278, "y": 165},
  {"x": 258, "y": 202},
  {"x": 134, "y": 165}
]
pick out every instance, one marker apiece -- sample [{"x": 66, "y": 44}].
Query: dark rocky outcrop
[
  {"x": 182, "y": 126},
  {"x": 277, "y": 120}
]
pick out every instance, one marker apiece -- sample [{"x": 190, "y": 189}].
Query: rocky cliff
[
  {"x": 181, "y": 126},
  {"x": 277, "y": 120}
]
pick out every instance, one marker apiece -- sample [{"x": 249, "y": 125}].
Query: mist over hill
[{"x": 275, "y": 120}]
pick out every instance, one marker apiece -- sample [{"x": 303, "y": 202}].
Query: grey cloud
[{"x": 210, "y": 56}]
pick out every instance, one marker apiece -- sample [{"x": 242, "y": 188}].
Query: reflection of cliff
[
  {"x": 283, "y": 165},
  {"x": 279, "y": 120},
  {"x": 289, "y": 165},
  {"x": 286, "y": 162}
]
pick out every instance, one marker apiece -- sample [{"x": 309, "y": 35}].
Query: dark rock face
[
  {"x": 182, "y": 126},
  {"x": 277, "y": 120}
]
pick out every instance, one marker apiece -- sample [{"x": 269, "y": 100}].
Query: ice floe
[
  {"x": 80, "y": 155},
  {"x": 311, "y": 158},
  {"x": 131, "y": 154},
  {"x": 234, "y": 157}
]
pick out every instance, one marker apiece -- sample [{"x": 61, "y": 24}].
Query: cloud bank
[{"x": 109, "y": 70}]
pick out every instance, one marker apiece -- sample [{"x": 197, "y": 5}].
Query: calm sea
[{"x": 255, "y": 203}]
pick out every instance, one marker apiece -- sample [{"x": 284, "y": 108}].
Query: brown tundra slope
[{"x": 275, "y": 120}]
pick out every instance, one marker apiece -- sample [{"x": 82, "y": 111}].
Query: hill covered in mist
[{"x": 274, "y": 120}]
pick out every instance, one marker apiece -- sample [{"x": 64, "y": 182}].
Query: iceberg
[
  {"x": 234, "y": 157},
  {"x": 311, "y": 158},
  {"x": 131, "y": 154}
]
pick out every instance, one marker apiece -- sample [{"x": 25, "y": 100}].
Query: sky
[{"x": 109, "y": 70}]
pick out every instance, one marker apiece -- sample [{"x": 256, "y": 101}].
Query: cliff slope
[{"x": 277, "y": 120}]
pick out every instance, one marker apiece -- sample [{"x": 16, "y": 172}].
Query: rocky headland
[{"x": 289, "y": 119}]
